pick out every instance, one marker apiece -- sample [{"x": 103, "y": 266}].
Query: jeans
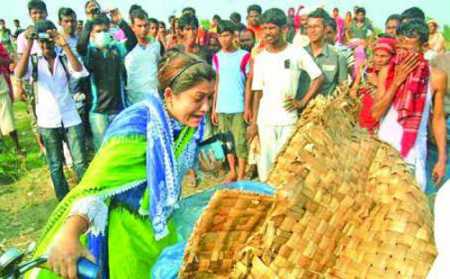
[
  {"x": 99, "y": 123},
  {"x": 53, "y": 140}
]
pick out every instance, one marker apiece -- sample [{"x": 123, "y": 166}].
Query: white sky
[{"x": 377, "y": 10}]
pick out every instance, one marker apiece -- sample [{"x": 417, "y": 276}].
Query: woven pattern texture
[{"x": 347, "y": 206}]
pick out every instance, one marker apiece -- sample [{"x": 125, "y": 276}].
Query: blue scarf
[{"x": 163, "y": 185}]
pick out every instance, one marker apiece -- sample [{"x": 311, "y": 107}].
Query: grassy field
[{"x": 26, "y": 194}]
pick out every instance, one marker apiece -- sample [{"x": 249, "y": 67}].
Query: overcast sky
[{"x": 377, "y": 10}]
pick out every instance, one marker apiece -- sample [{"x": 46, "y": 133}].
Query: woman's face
[
  {"x": 190, "y": 107},
  {"x": 381, "y": 58}
]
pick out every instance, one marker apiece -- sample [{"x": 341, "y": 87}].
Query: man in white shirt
[
  {"x": 57, "y": 116},
  {"x": 275, "y": 81},
  {"x": 142, "y": 62},
  {"x": 37, "y": 10},
  {"x": 78, "y": 88}
]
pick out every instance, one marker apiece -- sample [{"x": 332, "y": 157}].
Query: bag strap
[
  {"x": 34, "y": 67},
  {"x": 63, "y": 61}
]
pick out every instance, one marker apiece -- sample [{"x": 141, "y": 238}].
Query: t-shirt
[
  {"x": 277, "y": 75},
  {"x": 258, "y": 31},
  {"x": 142, "y": 59},
  {"x": 300, "y": 40},
  {"x": 232, "y": 68}
]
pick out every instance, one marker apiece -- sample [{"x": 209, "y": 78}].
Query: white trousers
[{"x": 272, "y": 139}]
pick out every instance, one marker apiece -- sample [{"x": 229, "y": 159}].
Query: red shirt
[
  {"x": 258, "y": 30},
  {"x": 4, "y": 69}
]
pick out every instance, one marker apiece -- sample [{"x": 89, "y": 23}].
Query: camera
[
  {"x": 96, "y": 11},
  {"x": 33, "y": 34},
  {"x": 43, "y": 37}
]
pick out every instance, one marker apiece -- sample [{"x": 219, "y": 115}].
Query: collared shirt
[
  {"x": 55, "y": 106},
  {"x": 142, "y": 59},
  {"x": 334, "y": 69},
  {"x": 277, "y": 76}
]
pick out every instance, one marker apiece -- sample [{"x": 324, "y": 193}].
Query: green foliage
[
  {"x": 205, "y": 24},
  {"x": 446, "y": 32}
]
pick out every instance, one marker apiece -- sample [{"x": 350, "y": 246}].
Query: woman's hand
[{"x": 67, "y": 249}]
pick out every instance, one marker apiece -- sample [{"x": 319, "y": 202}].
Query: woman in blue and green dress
[{"x": 120, "y": 213}]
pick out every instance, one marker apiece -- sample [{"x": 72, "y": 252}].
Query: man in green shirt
[
  {"x": 332, "y": 64},
  {"x": 361, "y": 27},
  {"x": 5, "y": 37}
]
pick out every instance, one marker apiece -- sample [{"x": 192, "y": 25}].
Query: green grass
[{"x": 26, "y": 193}]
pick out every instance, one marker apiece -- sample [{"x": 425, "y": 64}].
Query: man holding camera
[
  {"x": 57, "y": 116},
  {"x": 104, "y": 58},
  {"x": 37, "y": 10}
]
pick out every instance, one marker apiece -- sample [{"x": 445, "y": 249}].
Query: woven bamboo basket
[
  {"x": 346, "y": 207},
  {"x": 228, "y": 222}
]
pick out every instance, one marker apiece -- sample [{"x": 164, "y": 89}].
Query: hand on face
[{"x": 406, "y": 66}]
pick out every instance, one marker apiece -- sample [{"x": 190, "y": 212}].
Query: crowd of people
[
  {"x": 77, "y": 78},
  {"x": 150, "y": 92}
]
